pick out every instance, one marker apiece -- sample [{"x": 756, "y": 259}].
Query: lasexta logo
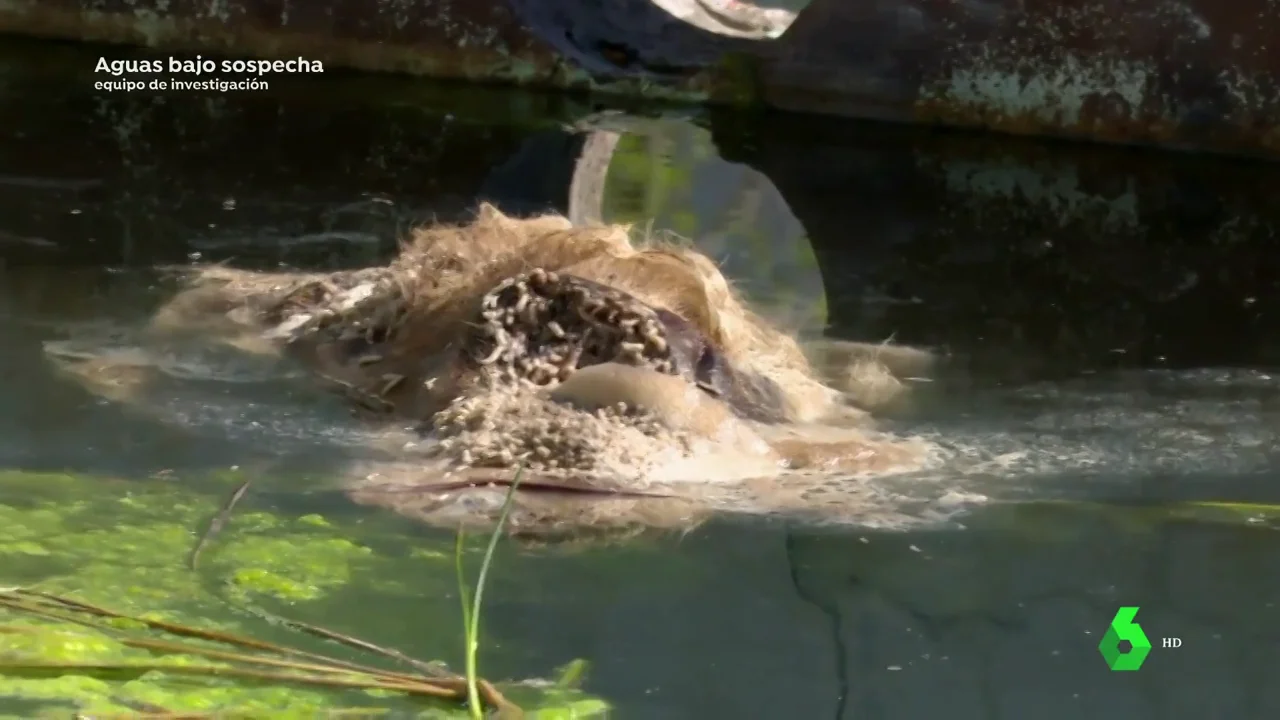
[{"x": 1125, "y": 646}]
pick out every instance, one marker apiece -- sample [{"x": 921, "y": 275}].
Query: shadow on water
[{"x": 1108, "y": 317}]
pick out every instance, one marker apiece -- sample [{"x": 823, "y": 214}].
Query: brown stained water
[{"x": 1109, "y": 404}]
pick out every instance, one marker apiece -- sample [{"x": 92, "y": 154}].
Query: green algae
[
  {"x": 125, "y": 544},
  {"x": 52, "y": 642},
  {"x": 148, "y": 530}
]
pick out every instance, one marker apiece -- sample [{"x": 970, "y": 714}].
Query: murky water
[{"x": 1110, "y": 398}]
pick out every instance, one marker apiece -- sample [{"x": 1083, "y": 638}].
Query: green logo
[{"x": 1124, "y": 629}]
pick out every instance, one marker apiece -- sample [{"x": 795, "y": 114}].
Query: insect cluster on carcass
[{"x": 542, "y": 326}]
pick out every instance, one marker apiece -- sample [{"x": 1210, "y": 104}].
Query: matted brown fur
[{"x": 405, "y": 341}]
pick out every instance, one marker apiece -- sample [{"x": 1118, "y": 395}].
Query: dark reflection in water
[
  {"x": 1088, "y": 257},
  {"x": 1109, "y": 317}
]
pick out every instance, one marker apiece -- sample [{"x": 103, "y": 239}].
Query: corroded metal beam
[{"x": 1191, "y": 74}]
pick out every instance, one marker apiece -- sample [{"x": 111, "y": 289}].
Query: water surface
[{"x": 1110, "y": 401}]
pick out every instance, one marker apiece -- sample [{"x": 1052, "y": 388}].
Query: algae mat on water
[{"x": 125, "y": 545}]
